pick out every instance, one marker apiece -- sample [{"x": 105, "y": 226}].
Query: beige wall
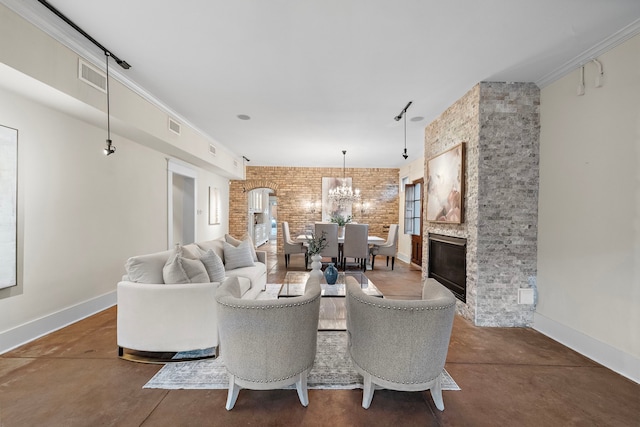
[
  {"x": 81, "y": 214},
  {"x": 589, "y": 210}
]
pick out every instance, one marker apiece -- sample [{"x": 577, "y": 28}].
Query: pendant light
[
  {"x": 397, "y": 118},
  {"x": 110, "y": 148}
]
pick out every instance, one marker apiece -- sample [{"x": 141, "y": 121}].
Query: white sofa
[{"x": 157, "y": 317}]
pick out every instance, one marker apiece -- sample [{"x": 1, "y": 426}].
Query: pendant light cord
[{"x": 106, "y": 54}]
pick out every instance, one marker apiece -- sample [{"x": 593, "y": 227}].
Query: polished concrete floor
[{"x": 508, "y": 376}]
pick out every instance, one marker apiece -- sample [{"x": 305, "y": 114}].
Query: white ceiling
[{"x": 320, "y": 76}]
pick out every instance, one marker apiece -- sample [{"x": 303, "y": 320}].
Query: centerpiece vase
[
  {"x": 341, "y": 231},
  {"x": 316, "y": 266},
  {"x": 331, "y": 274}
]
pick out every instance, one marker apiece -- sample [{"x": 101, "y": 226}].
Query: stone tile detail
[
  {"x": 295, "y": 186},
  {"x": 499, "y": 122}
]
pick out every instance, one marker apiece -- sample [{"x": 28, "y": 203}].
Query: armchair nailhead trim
[
  {"x": 441, "y": 307},
  {"x": 393, "y": 381},
  {"x": 273, "y": 380},
  {"x": 264, "y": 307}
]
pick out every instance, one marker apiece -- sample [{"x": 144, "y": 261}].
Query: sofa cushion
[
  {"x": 237, "y": 256},
  {"x": 147, "y": 268},
  {"x": 213, "y": 265},
  {"x": 191, "y": 251},
  {"x": 216, "y": 246},
  {"x": 179, "y": 269},
  {"x": 254, "y": 274},
  {"x": 235, "y": 242}
]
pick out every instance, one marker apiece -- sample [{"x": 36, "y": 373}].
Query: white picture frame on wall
[{"x": 8, "y": 206}]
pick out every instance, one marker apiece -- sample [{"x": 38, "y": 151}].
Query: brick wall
[
  {"x": 500, "y": 124},
  {"x": 295, "y": 187}
]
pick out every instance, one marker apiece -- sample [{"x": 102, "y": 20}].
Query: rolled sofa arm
[
  {"x": 262, "y": 256},
  {"x": 171, "y": 318}
]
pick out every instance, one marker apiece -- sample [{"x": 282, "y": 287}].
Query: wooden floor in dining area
[{"x": 508, "y": 377}]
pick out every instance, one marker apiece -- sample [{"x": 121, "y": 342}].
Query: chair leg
[
  {"x": 286, "y": 260},
  {"x": 301, "y": 386},
  {"x": 367, "y": 391},
  {"x": 232, "y": 396},
  {"x": 393, "y": 261},
  {"x": 120, "y": 351},
  {"x": 436, "y": 394},
  {"x": 373, "y": 261},
  {"x": 387, "y": 261}
]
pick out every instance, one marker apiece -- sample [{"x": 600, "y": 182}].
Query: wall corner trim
[
  {"x": 615, "y": 359},
  {"x": 37, "y": 328}
]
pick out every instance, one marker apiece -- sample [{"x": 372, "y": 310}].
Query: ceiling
[{"x": 321, "y": 76}]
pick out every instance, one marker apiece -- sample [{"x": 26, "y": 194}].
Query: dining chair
[
  {"x": 291, "y": 246},
  {"x": 332, "y": 250},
  {"x": 388, "y": 248},
  {"x": 356, "y": 244}
]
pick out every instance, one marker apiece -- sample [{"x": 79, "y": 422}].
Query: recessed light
[
  {"x": 416, "y": 119},
  {"x": 243, "y": 117}
]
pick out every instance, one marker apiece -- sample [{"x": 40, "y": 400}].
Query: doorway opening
[{"x": 181, "y": 197}]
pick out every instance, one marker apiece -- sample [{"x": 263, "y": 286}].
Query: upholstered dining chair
[
  {"x": 267, "y": 344},
  {"x": 291, "y": 246},
  {"x": 356, "y": 244},
  {"x": 400, "y": 344},
  {"x": 333, "y": 249},
  {"x": 388, "y": 248}
]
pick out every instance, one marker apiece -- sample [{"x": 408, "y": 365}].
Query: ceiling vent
[
  {"x": 212, "y": 150},
  {"x": 174, "y": 126},
  {"x": 92, "y": 76}
]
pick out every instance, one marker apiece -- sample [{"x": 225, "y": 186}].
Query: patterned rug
[{"x": 332, "y": 370}]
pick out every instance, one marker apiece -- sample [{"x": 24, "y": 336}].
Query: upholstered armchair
[
  {"x": 388, "y": 248},
  {"x": 291, "y": 246},
  {"x": 400, "y": 344},
  {"x": 332, "y": 250},
  {"x": 268, "y": 344}
]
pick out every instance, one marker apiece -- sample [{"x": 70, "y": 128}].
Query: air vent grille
[
  {"x": 212, "y": 150},
  {"x": 174, "y": 126},
  {"x": 92, "y": 76}
]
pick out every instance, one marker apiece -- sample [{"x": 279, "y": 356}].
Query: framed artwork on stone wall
[
  {"x": 445, "y": 186},
  {"x": 8, "y": 206}
]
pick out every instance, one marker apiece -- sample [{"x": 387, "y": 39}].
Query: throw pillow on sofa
[
  {"x": 179, "y": 269},
  {"x": 237, "y": 256},
  {"x": 213, "y": 264},
  {"x": 235, "y": 242}
]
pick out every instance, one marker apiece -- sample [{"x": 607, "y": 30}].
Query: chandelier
[{"x": 344, "y": 194}]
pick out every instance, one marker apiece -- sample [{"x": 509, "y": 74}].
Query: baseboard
[
  {"x": 45, "y": 325},
  {"x": 404, "y": 257},
  {"x": 623, "y": 363}
]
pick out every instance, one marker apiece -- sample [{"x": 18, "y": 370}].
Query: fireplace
[{"x": 448, "y": 263}]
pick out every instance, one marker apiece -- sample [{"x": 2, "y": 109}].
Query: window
[{"x": 412, "y": 208}]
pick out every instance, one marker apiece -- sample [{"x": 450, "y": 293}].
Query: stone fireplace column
[{"x": 500, "y": 126}]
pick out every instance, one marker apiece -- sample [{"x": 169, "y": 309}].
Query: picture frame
[
  {"x": 8, "y": 207},
  {"x": 445, "y": 186},
  {"x": 214, "y": 206},
  {"x": 331, "y": 208}
]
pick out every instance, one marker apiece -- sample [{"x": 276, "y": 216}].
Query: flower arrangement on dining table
[
  {"x": 316, "y": 243},
  {"x": 341, "y": 220}
]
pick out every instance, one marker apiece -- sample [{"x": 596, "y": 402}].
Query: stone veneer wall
[
  {"x": 296, "y": 186},
  {"x": 500, "y": 124}
]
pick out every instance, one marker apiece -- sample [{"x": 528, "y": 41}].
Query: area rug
[{"x": 332, "y": 370}]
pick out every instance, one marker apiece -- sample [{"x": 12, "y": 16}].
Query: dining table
[{"x": 372, "y": 240}]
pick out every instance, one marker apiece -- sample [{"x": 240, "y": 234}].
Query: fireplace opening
[{"x": 448, "y": 263}]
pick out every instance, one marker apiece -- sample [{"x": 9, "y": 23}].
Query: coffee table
[{"x": 333, "y": 313}]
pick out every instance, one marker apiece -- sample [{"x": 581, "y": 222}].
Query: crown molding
[{"x": 605, "y": 45}]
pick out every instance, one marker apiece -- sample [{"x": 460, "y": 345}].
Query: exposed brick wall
[
  {"x": 500, "y": 124},
  {"x": 296, "y": 186}
]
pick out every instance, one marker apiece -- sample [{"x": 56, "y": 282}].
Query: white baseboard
[
  {"x": 623, "y": 363},
  {"x": 45, "y": 325},
  {"x": 404, "y": 257}
]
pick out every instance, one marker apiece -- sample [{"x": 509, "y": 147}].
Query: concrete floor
[{"x": 508, "y": 376}]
